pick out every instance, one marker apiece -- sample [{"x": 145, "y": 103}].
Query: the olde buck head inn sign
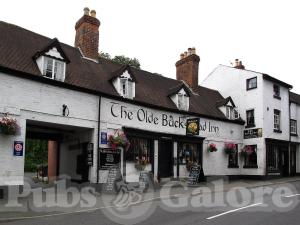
[{"x": 124, "y": 114}]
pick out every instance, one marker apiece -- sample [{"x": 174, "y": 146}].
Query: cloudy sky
[{"x": 264, "y": 34}]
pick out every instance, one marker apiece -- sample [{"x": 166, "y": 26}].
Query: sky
[{"x": 263, "y": 34}]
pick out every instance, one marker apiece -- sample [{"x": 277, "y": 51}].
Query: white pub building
[{"x": 86, "y": 106}]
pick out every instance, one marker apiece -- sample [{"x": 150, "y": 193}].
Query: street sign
[{"x": 18, "y": 148}]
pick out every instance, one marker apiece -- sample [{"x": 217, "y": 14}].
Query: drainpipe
[
  {"x": 290, "y": 138},
  {"x": 98, "y": 138}
]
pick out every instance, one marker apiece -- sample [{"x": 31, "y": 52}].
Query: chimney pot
[
  {"x": 194, "y": 51},
  {"x": 185, "y": 54},
  {"x": 93, "y": 13},
  {"x": 86, "y": 11},
  {"x": 181, "y": 56},
  {"x": 189, "y": 51}
]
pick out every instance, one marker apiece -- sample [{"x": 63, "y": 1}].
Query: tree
[{"x": 121, "y": 59}]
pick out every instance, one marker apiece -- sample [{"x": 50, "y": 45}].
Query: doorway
[
  {"x": 293, "y": 160},
  {"x": 285, "y": 162},
  {"x": 165, "y": 159}
]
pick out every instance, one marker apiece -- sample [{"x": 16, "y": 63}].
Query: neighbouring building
[
  {"x": 78, "y": 101},
  {"x": 270, "y": 111}
]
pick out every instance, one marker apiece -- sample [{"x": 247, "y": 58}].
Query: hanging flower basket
[
  {"x": 117, "y": 140},
  {"x": 9, "y": 126},
  {"x": 212, "y": 148},
  {"x": 247, "y": 150},
  {"x": 230, "y": 148}
]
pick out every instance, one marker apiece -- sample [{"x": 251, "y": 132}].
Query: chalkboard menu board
[
  {"x": 144, "y": 180},
  {"x": 114, "y": 176},
  {"x": 109, "y": 158},
  {"x": 194, "y": 175}
]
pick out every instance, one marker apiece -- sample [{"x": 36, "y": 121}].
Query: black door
[
  {"x": 165, "y": 159},
  {"x": 293, "y": 160},
  {"x": 284, "y": 162}
]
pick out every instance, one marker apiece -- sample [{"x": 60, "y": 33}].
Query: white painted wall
[
  {"x": 35, "y": 101},
  {"x": 224, "y": 131}
]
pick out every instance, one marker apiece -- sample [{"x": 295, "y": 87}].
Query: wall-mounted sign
[
  {"x": 109, "y": 158},
  {"x": 192, "y": 126},
  {"x": 103, "y": 137},
  {"x": 90, "y": 154},
  {"x": 18, "y": 148},
  {"x": 253, "y": 133}
]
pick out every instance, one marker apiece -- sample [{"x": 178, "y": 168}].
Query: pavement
[{"x": 172, "y": 203}]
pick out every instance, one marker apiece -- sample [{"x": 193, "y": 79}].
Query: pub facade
[{"x": 96, "y": 114}]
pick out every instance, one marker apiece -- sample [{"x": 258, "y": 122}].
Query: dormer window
[
  {"x": 52, "y": 61},
  {"x": 232, "y": 113},
  {"x": 180, "y": 95},
  {"x": 126, "y": 87},
  {"x": 54, "y": 69},
  {"x": 124, "y": 82}
]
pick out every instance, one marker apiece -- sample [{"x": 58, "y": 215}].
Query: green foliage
[
  {"x": 36, "y": 154},
  {"x": 121, "y": 59}
]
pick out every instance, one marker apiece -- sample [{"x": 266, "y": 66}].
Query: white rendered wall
[{"x": 35, "y": 101}]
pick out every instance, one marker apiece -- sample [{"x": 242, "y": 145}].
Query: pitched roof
[
  {"x": 295, "y": 98},
  {"x": 176, "y": 89},
  {"x": 18, "y": 46},
  {"x": 225, "y": 101}
]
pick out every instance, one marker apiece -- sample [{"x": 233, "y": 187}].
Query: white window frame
[
  {"x": 277, "y": 118},
  {"x": 184, "y": 105},
  {"x": 124, "y": 91},
  {"x": 54, "y": 64}
]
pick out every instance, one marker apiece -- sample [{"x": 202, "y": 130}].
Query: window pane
[
  {"x": 59, "y": 71},
  {"x": 48, "y": 67},
  {"x": 251, "y": 156},
  {"x": 252, "y": 83}
]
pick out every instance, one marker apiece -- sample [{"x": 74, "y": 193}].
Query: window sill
[
  {"x": 233, "y": 167},
  {"x": 294, "y": 135},
  {"x": 250, "y": 126},
  {"x": 248, "y": 89},
  {"x": 250, "y": 167},
  {"x": 277, "y": 97},
  {"x": 277, "y": 131}
]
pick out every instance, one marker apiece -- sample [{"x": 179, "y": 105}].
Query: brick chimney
[
  {"x": 187, "y": 67},
  {"x": 238, "y": 64},
  {"x": 87, "y": 34}
]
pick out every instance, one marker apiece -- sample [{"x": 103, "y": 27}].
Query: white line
[
  {"x": 234, "y": 210},
  {"x": 289, "y": 196}
]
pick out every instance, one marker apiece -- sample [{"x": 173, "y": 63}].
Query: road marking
[
  {"x": 234, "y": 210},
  {"x": 289, "y": 196}
]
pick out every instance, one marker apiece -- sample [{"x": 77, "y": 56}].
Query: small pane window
[
  {"x": 251, "y": 83},
  {"x": 276, "y": 120},
  {"x": 276, "y": 91},
  {"x": 233, "y": 159},
  {"x": 251, "y": 156},
  {"x": 54, "y": 69},
  {"x": 48, "y": 67},
  {"x": 250, "y": 118},
  {"x": 293, "y": 126},
  {"x": 188, "y": 154}
]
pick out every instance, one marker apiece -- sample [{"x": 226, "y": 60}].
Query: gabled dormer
[
  {"x": 124, "y": 82},
  {"x": 180, "y": 95},
  {"x": 228, "y": 108},
  {"x": 52, "y": 61}
]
